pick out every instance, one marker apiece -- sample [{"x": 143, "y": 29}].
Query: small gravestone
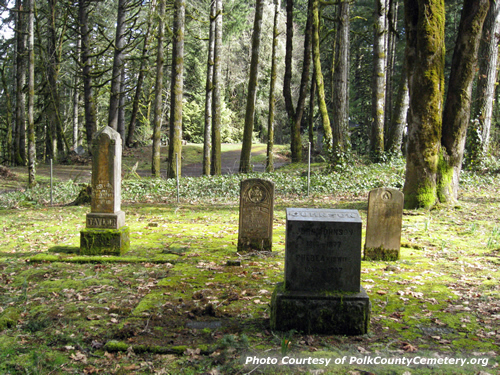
[
  {"x": 256, "y": 215},
  {"x": 383, "y": 227},
  {"x": 105, "y": 232},
  {"x": 322, "y": 291}
]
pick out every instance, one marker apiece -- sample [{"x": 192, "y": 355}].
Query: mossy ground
[{"x": 173, "y": 305}]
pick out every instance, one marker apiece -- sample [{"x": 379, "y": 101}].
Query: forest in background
[{"x": 69, "y": 68}]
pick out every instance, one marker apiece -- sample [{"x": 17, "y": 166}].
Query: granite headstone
[
  {"x": 322, "y": 291},
  {"x": 105, "y": 231}
]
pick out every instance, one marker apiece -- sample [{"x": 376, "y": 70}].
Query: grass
[{"x": 172, "y": 304}]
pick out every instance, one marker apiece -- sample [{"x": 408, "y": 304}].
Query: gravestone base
[
  {"x": 99, "y": 220},
  {"x": 104, "y": 241},
  {"x": 246, "y": 244},
  {"x": 381, "y": 254},
  {"x": 339, "y": 313}
]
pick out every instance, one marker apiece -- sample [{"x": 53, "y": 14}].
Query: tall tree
[
  {"x": 479, "y": 132},
  {"x": 31, "y": 95},
  {"x": 272, "y": 95},
  {"x": 246, "y": 148},
  {"x": 209, "y": 91},
  {"x": 158, "y": 103},
  {"x": 341, "y": 83},
  {"x": 88, "y": 92},
  {"x": 215, "y": 165},
  {"x": 424, "y": 23},
  {"x": 177, "y": 87},
  {"x": 398, "y": 120},
  {"x": 139, "y": 85},
  {"x": 458, "y": 100},
  {"x": 118, "y": 65},
  {"x": 19, "y": 154},
  {"x": 320, "y": 87},
  {"x": 379, "y": 79}
]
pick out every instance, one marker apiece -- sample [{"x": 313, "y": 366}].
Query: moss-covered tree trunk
[
  {"x": 379, "y": 79},
  {"x": 424, "y": 22},
  {"x": 177, "y": 88},
  {"x": 318, "y": 76},
  {"x": 478, "y": 136},
  {"x": 19, "y": 134},
  {"x": 216, "y": 162},
  {"x": 246, "y": 148},
  {"x": 272, "y": 94},
  {"x": 458, "y": 101},
  {"x": 158, "y": 101}
]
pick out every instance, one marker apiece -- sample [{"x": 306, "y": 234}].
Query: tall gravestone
[
  {"x": 322, "y": 291},
  {"x": 105, "y": 231},
  {"x": 256, "y": 215},
  {"x": 383, "y": 226}
]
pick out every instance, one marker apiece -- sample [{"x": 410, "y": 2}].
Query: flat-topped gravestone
[
  {"x": 105, "y": 232},
  {"x": 323, "y": 250},
  {"x": 256, "y": 215},
  {"x": 383, "y": 227},
  {"x": 322, "y": 291}
]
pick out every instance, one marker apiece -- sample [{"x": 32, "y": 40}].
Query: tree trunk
[
  {"x": 318, "y": 76},
  {"x": 88, "y": 95},
  {"x": 392, "y": 36},
  {"x": 310, "y": 119},
  {"x": 479, "y": 134},
  {"x": 177, "y": 82},
  {"x": 458, "y": 101},
  {"x": 215, "y": 165},
  {"x": 379, "y": 80},
  {"x": 272, "y": 96},
  {"x": 31, "y": 95},
  {"x": 7, "y": 149},
  {"x": 158, "y": 103},
  {"x": 424, "y": 23},
  {"x": 138, "y": 89},
  {"x": 20, "y": 129},
  {"x": 76, "y": 100},
  {"x": 341, "y": 85},
  {"x": 118, "y": 62},
  {"x": 398, "y": 121},
  {"x": 246, "y": 148},
  {"x": 287, "y": 82},
  {"x": 209, "y": 91}
]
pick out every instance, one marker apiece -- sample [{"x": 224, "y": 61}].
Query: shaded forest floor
[{"x": 175, "y": 304}]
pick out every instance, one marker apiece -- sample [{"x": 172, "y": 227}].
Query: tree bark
[
  {"x": 379, "y": 80},
  {"x": 479, "y": 133},
  {"x": 215, "y": 165},
  {"x": 341, "y": 85},
  {"x": 20, "y": 127},
  {"x": 209, "y": 92},
  {"x": 458, "y": 101},
  {"x": 318, "y": 76},
  {"x": 177, "y": 87},
  {"x": 118, "y": 63},
  {"x": 246, "y": 148},
  {"x": 31, "y": 96},
  {"x": 398, "y": 121},
  {"x": 272, "y": 94},
  {"x": 287, "y": 81},
  {"x": 424, "y": 23},
  {"x": 158, "y": 103},
  {"x": 88, "y": 95},
  {"x": 138, "y": 89}
]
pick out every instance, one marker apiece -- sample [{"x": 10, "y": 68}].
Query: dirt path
[{"x": 81, "y": 173}]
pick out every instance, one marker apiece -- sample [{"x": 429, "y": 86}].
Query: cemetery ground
[{"x": 184, "y": 301}]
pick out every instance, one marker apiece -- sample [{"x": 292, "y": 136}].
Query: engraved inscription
[
  {"x": 101, "y": 222},
  {"x": 339, "y": 215},
  {"x": 103, "y": 193}
]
